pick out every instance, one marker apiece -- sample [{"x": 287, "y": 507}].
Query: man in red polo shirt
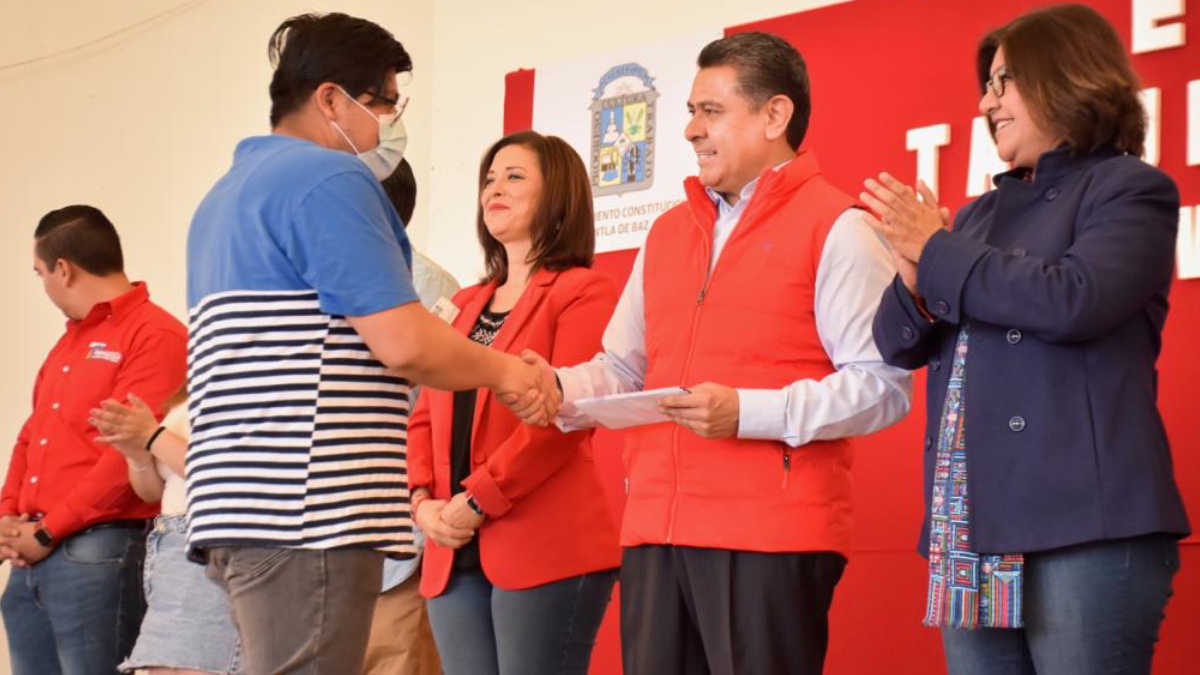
[{"x": 69, "y": 521}]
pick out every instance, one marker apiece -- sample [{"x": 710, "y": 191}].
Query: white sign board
[{"x": 624, "y": 113}]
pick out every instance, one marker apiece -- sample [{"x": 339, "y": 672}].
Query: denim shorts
[{"x": 187, "y": 622}]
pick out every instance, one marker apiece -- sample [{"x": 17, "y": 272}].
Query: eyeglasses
[
  {"x": 999, "y": 80},
  {"x": 380, "y": 98},
  {"x": 395, "y": 104}
]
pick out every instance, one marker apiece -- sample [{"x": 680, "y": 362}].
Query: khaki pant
[{"x": 401, "y": 641}]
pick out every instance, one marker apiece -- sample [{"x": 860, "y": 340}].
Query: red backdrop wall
[{"x": 879, "y": 68}]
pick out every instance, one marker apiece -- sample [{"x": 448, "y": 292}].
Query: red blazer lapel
[
  {"x": 526, "y": 307},
  {"x": 473, "y": 307}
]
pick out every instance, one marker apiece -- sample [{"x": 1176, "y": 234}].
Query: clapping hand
[
  {"x": 905, "y": 218},
  {"x": 126, "y": 428}
]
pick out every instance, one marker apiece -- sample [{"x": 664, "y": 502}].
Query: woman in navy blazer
[
  {"x": 522, "y": 547},
  {"x": 1052, "y": 510}
]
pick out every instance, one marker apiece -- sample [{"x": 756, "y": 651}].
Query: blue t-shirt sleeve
[{"x": 350, "y": 247}]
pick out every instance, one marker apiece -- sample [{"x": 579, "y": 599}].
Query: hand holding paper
[
  {"x": 620, "y": 411},
  {"x": 709, "y": 410}
]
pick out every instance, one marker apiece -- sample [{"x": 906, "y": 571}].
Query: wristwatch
[{"x": 43, "y": 537}]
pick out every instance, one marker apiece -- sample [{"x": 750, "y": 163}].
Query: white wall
[{"x": 142, "y": 124}]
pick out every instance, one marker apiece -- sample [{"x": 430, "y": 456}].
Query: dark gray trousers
[
  {"x": 300, "y": 611},
  {"x": 718, "y": 612}
]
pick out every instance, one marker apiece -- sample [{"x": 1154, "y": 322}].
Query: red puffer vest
[{"x": 750, "y": 324}]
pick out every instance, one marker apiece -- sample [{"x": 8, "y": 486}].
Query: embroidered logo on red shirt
[{"x": 96, "y": 350}]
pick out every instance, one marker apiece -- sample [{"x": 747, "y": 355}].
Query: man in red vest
[{"x": 757, "y": 295}]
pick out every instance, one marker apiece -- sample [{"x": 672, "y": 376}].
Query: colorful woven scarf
[{"x": 966, "y": 590}]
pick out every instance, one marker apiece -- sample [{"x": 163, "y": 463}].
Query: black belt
[{"x": 143, "y": 525}]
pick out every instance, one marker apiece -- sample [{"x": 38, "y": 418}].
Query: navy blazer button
[
  {"x": 941, "y": 307},
  {"x": 1014, "y": 336},
  {"x": 1016, "y": 423},
  {"x": 907, "y": 333},
  {"x": 928, "y": 443},
  {"x": 1019, "y": 252},
  {"x": 935, "y": 362},
  {"x": 1051, "y": 194}
]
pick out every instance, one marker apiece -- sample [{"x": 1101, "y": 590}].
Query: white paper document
[{"x": 620, "y": 411}]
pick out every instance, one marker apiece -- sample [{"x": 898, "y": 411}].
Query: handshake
[{"x": 530, "y": 388}]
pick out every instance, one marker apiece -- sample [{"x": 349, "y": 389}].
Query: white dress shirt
[{"x": 863, "y": 395}]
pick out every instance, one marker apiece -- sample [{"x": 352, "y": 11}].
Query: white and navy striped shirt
[{"x": 298, "y": 432}]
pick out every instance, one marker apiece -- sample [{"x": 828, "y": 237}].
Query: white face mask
[{"x": 383, "y": 159}]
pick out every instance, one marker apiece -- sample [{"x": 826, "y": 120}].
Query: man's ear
[
  {"x": 779, "y": 114},
  {"x": 324, "y": 97},
  {"x": 67, "y": 271}
]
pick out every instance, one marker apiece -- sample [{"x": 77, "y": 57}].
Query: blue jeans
[
  {"x": 78, "y": 611},
  {"x": 1092, "y": 609},
  {"x": 545, "y": 630}
]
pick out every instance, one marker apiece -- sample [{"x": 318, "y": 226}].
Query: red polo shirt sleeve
[{"x": 153, "y": 369}]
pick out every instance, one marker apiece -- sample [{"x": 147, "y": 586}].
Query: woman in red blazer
[{"x": 522, "y": 549}]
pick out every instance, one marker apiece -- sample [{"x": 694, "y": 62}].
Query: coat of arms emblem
[{"x": 623, "y": 120}]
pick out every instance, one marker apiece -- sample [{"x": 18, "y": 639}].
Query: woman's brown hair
[
  {"x": 562, "y": 232},
  {"x": 1074, "y": 75}
]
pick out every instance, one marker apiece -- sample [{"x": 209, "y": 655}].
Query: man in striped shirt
[{"x": 304, "y": 334}]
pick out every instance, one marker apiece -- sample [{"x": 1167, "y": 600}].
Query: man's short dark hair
[
  {"x": 311, "y": 49},
  {"x": 401, "y": 189},
  {"x": 767, "y": 66},
  {"x": 81, "y": 235}
]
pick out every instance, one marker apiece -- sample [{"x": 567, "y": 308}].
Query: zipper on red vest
[
  {"x": 675, "y": 494},
  {"x": 687, "y": 363},
  {"x": 751, "y": 209},
  {"x": 708, "y": 270}
]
